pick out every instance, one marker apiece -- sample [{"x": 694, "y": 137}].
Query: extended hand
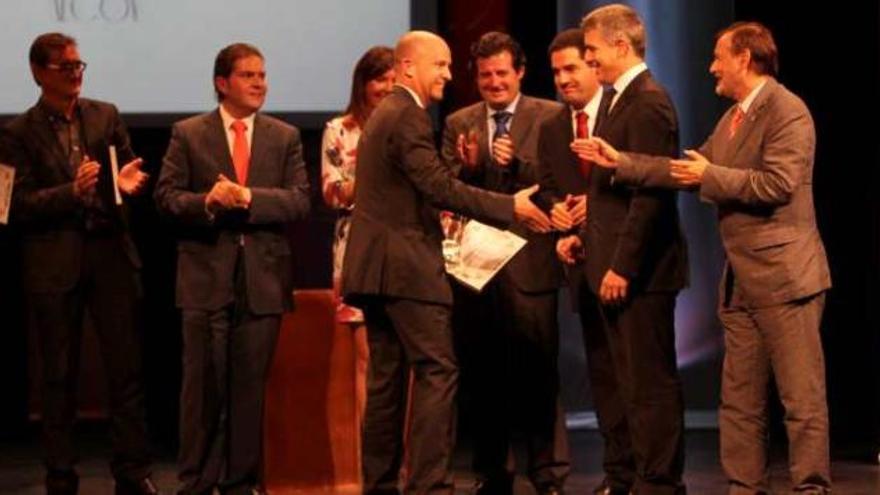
[
  {"x": 131, "y": 178},
  {"x": 569, "y": 249},
  {"x": 526, "y": 212},
  {"x": 596, "y": 150},
  {"x": 688, "y": 172},
  {"x": 613, "y": 289}
]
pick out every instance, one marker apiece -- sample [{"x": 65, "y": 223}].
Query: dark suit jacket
[
  {"x": 207, "y": 248},
  {"x": 636, "y": 233},
  {"x": 394, "y": 243},
  {"x": 535, "y": 268},
  {"x": 762, "y": 183},
  {"x": 50, "y": 217}
]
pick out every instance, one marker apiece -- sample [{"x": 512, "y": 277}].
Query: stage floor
[{"x": 21, "y": 470}]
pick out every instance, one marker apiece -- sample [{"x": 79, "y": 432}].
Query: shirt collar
[
  {"x": 228, "y": 119},
  {"x": 53, "y": 114},
  {"x": 413, "y": 94},
  {"x": 627, "y": 77},
  {"x": 511, "y": 107},
  {"x": 592, "y": 106},
  {"x": 750, "y": 98}
]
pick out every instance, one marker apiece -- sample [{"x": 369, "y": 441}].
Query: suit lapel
[
  {"x": 749, "y": 122},
  {"x": 215, "y": 136},
  {"x": 480, "y": 123},
  {"x": 602, "y": 112},
  {"x": 45, "y": 136},
  {"x": 259, "y": 148},
  {"x": 523, "y": 120},
  {"x": 626, "y": 98}
]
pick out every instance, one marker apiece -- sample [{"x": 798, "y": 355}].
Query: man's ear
[
  {"x": 34, "y": 70},
  {"x": 221, "y": 84}
]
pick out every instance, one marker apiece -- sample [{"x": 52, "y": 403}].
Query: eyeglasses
[{"x": 68, "y": 67}]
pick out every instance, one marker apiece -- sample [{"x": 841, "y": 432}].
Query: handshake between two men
[{"x": 564, "y": 215}]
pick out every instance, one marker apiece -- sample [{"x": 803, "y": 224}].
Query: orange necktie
[
  {"x": 583, "y": 132},
  {"x": 240, "y": 153},
  {"x": 736, "y": 121}
]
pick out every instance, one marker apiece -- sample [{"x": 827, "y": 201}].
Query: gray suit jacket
[
  {"x": 394, "y": 242},
  {"x": 535, "y": 268},
  {"x": 207, "y": 248},
  {"x": 762, "y": 183}
]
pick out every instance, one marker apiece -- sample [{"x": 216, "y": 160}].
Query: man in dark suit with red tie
[
  {"x": 77, "y": 256},
  {"x": 394, "y": 270},
  {"x": 564, "y": 183},
  {"x": 635, "y": 257},
  {"x": 231, "y": 179}
]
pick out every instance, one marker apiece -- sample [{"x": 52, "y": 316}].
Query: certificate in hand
[
  {"x": 484, "y": 251},
  {"x": 7, "y": 179}
]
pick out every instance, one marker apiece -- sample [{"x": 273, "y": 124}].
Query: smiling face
[
  {"x": 378, "y": 88},
  {"x": 575, "y": 81},
  {"x": 497, "y": 80},
  {"x": 432, "y": 70},
  {"x": 729, "y": 69},
  {"x": 605, "y": 57},
  {"x": 244, "y": 91}
]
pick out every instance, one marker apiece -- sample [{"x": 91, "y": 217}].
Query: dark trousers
[
  {"x": 637, "y": 391},
  {"x": 508, "y": 344},
  {"x": 409, "y": 336},
  {"x": 226, "y": 359},
  {"x": 109, "y": 288},
  {"x": 781, "y": 341}
]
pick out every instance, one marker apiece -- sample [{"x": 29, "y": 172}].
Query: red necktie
[
  {"x": 240, "y": 153},
  {"x": 583, "y": 132},
  {"x": 736, "y": 121}
]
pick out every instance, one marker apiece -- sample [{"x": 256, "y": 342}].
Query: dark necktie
[
  {"x": 502, "y": 119},
  {"x": 604, "y": 107}
]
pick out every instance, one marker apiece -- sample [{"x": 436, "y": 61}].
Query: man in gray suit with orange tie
[
  {"x": 757, "y": 168},
  {"x": 230, "y": 180}
]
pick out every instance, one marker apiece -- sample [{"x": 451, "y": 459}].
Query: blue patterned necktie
[{"x": 502, "y": 118}]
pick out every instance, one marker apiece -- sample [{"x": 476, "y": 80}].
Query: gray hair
[{"x": 617, "y": 21}]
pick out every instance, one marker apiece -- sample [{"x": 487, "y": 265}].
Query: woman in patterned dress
[{"x": 372, "y": 80}]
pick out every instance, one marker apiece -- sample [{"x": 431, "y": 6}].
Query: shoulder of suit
[
  {"x": 274, "y": 122},
  {"x": 98, "y": 104},
  {"x": 557, "y": 114},
  {"x": 466, "y": 113},
  {"x": 193, "y": 122},
  {"x": 784, "y": 100},
  {"x": 544, "y": 104}
]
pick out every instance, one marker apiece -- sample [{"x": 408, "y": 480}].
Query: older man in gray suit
[{"x": 757, "y": 168}]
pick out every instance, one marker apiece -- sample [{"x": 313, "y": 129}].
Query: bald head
[
  {"x": 421, "y": 63},
  {"x": 416, "y": 43}
]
